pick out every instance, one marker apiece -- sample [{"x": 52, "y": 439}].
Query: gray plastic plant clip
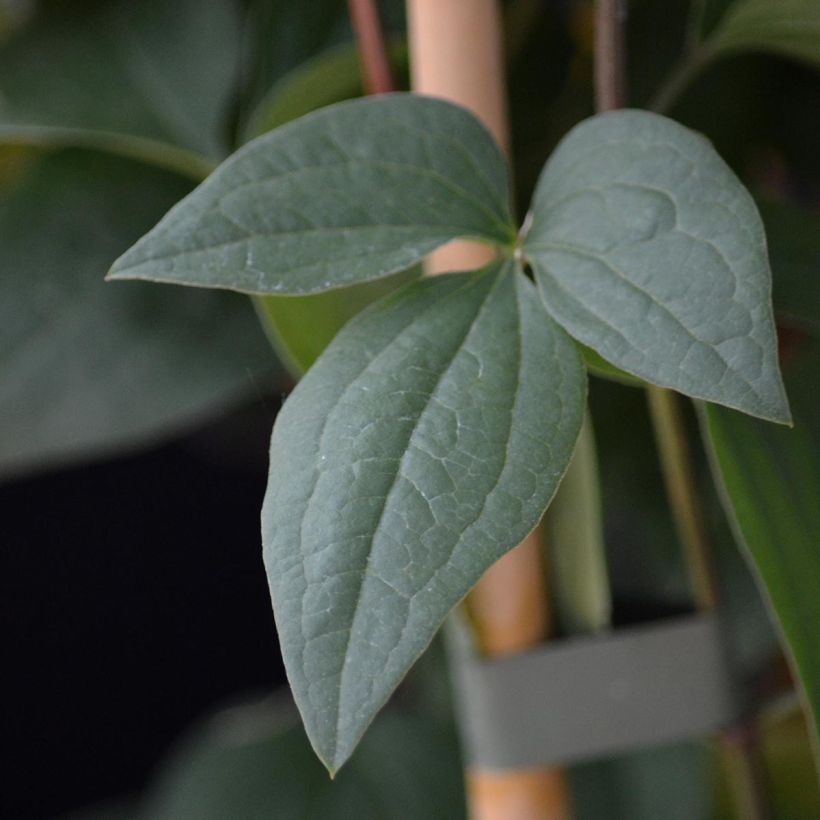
[{"x": 586, "y": 697}]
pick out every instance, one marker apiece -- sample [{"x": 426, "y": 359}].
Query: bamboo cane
[{"x": 455, "y": 50}]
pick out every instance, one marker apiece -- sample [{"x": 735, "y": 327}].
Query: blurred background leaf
[
  {"x": 255, "y": 762},
  {"x": 771, "y": 482},
  {"x": 156, "y": 70},
  {"x": 332, "y": 76},
  {"x": 788, "y": 27},
  {"x": 301, "y": 327},
  {"x": 673, "y": 782},
  {"x": 793, "y": 237},
  {"x": 89, "y": 366},
  {"x": 281, "y": 35}
]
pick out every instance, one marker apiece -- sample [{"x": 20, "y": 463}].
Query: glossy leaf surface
[
  {"x": 424, "y": 443},
  {"x": 771, "y": 481},
  {"x": 87, "y": 366},
  {"x": 350, "y": 193},
  {"x": 649, "y": 250}
]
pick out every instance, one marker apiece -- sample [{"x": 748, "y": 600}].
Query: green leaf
[
  {"x": 86, "y": 366},
  {"x": 793, "y": 236},
  {"x": 670, "y": 781},
  {"x": 599, "y": 366},
  {"x": 649, "y": 250},
  {"x": 301, "y": 327},
  {"x": 791, "y": 776},
  {"x": 153, "y": 70},
  {"x": 329, "y": 77},
  {"x": 788, "y": 27},
  {"x": 281, "y": 35},
  {"x": 351, "y": 193},
  {"x": 253, "y": 763},
  {"x": 423, "y": 444},
  {"x": 771, "y": 484}
]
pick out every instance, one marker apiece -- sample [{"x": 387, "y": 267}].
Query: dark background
[{"x": 135, "y": 601}]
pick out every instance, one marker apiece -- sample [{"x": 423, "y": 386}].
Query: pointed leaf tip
[
  {"x": 424, "y": 443},
  {"x": 648, "y": 249},
  {"x": 353, "y": 192}
]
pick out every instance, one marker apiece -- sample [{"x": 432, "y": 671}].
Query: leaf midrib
[
  {"x": 277, "y": 176},
  {"x": 573, "y": 249},
  {"x": 500, "y": 275}
]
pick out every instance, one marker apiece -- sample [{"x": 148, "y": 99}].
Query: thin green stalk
[
  {"x": 376, "y": 71},
  {"x": 153, "y": 152},
  {"x": 576, "y": 551},
  {"x": 681, "y": 489}
]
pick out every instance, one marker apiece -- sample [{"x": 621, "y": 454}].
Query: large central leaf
[
  {"x": 424, "y": 443},
  {"x": 649, "y": 250},
  {"x": 353, "y": 192}
]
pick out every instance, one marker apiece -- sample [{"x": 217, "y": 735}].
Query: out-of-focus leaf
[
  {"x": 789, "y": 765},
  {"x": 771, "y": 483},
  {"x": 424, "y": 444},
  {"x": 672, "y": 782},
  {"x": 351, "y": 193},
  {"x": 252, "y": 764},
  {"x": 301, "y": 327},
  {"x": 648, "y": 249},
  {"x": 711, "y": 12},
  {"x": 793, "y": 235},
  {"x": 788, "y": 27},
  {"x": 281, "y": 35},
  {"x": 599, "y": 366},
  {"x": 89, "y": 366},
  {"x": 154, "y": 70},
  {"x": 330, "y": 77}
]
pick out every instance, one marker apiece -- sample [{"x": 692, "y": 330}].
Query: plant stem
[
  {"x": 378, "y": 78},
  {"x": 610, "y": 57},
  {"x": 160, "y": 154},
  {"x": 681, "y": 490},
  {"x": 746, "y": 770},
  {"x": 577, "y": 555},
  {"x": 456, "y": 53}
]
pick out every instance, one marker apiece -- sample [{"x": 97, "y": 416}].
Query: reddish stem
[
  {"x": 378, "y": 78},
  {"x": 610, "y": 55}
]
